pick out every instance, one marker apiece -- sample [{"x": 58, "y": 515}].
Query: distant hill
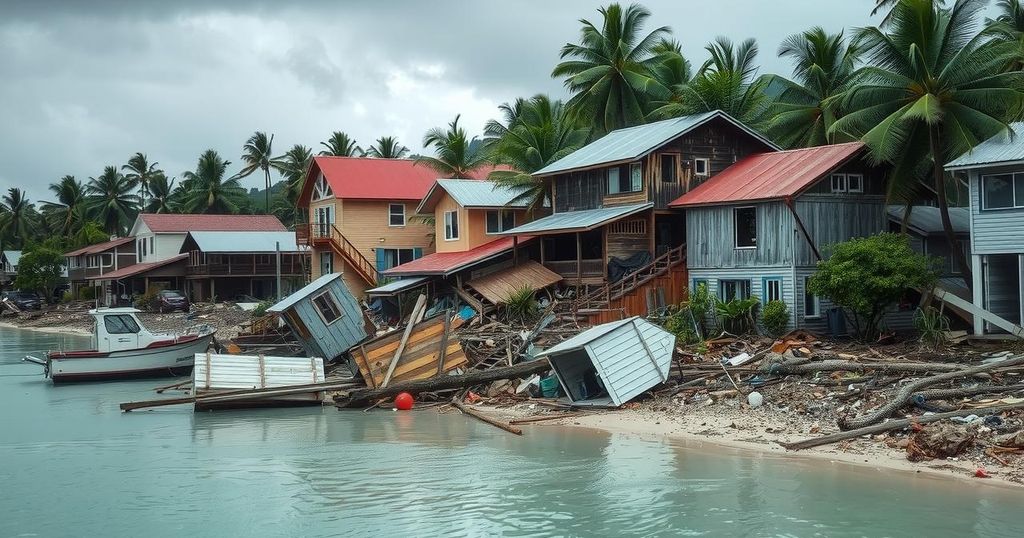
[{"x": 257, "y": 196}]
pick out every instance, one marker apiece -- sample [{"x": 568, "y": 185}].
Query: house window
[
  {"x": 500, "y": 220},
  {"x": 745, "y": 223},
  {"x": 393, "y": 257},
  {"x": 854, "y": 183},
  {"x": 772, "y": 289},
  {"x": 327, "y": 307},
  {"x": 618, "y": 184},
  {"x": 326, "y": 263},
  {"x": 838, "y": 182},
  {"x": 322, "y": 189},
  {"x": 701, "y": 167},
  {"x": 451, "y": 225},
  {"x": 92, "y": 261},
  {"x": 668, "y": 168},
  {"x": 812, "y": 304},
  {"x": 636, "y": 176},
  {"x": 152, "y": 244},
  {"x": 107, "y": 259},
  {"x": 263, "y": 259},
  {"x": 733, "y": 289},
  {"x": 396, "y": 214},
  {"x": 143, "y": 249},
  {"x": 1002, "y": 191}
]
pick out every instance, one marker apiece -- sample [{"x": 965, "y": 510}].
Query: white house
[{"x": 159, "y": 237}]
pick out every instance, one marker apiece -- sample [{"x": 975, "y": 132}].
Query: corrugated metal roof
[
  {"x": 585, "y": 337},
  {"x": 446, "y": 263},
  {"x": 100, "y": 247},
  {"x": 499, "y": 286},
  {"x": 396, "y": 286},
  {"x": 577, "y": 221},
  {"x": 137, "y": 269},
  {"x": 233, "y": 372},
  {"x": 306, "y": 291},
  {"x": 1003, "y": 148},
  {"x": 927, "y": 220},
  {"x": 259, "y": 242},
  {"x": 13, "y": 256},
  {"x": 632, "y": 143},
  {"x": 471, "y": 193},
  {"x": 166, "y": 222},
  {"x": 770, "y": 176}
]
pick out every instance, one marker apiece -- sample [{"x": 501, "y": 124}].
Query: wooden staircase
[
  {"x": 328, "y": 235},
  {"x": 630, "y": 295}
]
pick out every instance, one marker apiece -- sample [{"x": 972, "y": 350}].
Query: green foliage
[
  {"x": 147, "y": 301},
  {"x": 932, "y": 325},
  {"x": 207, "y": 191},
  {"x": 18, "y": 217},
  {"x": 67, "y": 297},
  {"x": 521, "y": 305},
  {"x": 736, "y": 316},
  {"x": 112, "y": 201},
  {"x": 687, "y": 321},
  {"x": 387, "y": 147},
  {"x": 40, "y": 267},
  {"x": 87, "y": 293},
  {"x": 340, "y": 145},
  {"x": 868, "y": 275},
  {"x": 775, "y": 317},
  {"x": 261, "y": 309},
  {"x": 90, "y": 233},
  {"x": 455, "y": 155}
]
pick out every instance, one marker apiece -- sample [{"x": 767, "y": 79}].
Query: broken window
[
  {"x": 745, "y": 223},
  {"x": 327, "y": 307}
]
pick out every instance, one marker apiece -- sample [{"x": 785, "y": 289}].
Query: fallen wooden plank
[
  {"x": 484, "y": 418},
  {"x": 421, "y": 303},
  {"x": 955, "y": 300},
  {"x": 242, "y": 394},
  {"x": 545, "y": 418}
]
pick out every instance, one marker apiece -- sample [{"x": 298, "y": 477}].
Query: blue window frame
[
  {"x": 771, "y": 289},
  {"x": 699, "y": 281}
]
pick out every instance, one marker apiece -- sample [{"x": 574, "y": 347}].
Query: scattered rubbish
[
  {"x": 549, "y": 387},
  {"x": 981, "y": 473},
  {"x": 942, "y": 440},
  {"x": 409, "y": 355},
  {"x": 755, "y": 399},
  {"x": 738, "y": 360},
  {"x": 966, "y": 420},
  {"x": 527, "y": 384}
]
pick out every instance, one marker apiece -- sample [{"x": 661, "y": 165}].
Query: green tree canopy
[
  {"x": 454, "y": 154},
  {"x": 41, "y": 267}
]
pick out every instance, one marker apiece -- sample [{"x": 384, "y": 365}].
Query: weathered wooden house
[
  {"x": 995, "y": 175},
  {"x": 472, "y": 258},
  {"x": 611, "y": 206},
  {"x": 97, "y": 260},
  {"x": 324, "y": 316},
  {"x": 758, "y": 228},
  {"x": 234, "y": 264},
  {"x": 608, "y": 365}
]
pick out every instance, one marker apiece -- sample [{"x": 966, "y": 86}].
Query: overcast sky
[{"x": 87, "y": 84}]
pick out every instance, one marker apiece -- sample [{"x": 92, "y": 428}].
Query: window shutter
[
  {"x": 379, "y": 255},
  {"x": 417, "y": 253}
]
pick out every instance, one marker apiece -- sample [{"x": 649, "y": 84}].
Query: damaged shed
[
  {"x": 610, "y": 364},
  {"x": 324, "y": 316}
]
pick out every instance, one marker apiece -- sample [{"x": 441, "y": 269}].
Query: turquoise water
[{"x": 72, "y": 465}]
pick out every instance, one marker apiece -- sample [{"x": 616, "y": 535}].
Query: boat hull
[{"x": 166, "y": 360}]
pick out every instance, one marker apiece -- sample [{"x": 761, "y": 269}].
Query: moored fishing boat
[{"x": 124, "y": 348}]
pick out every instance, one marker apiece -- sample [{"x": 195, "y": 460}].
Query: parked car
[
  {"x": 24, "y": 300},
  {"x": 171, "y": 301}
]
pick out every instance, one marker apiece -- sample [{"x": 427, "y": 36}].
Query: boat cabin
[{"x": 119, "y": 329}]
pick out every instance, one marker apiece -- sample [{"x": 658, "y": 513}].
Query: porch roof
[
  {"x": 137, "y": 269},
  {"x": 446, "y": 263},
  {"x": 397, "y": 286},
  {"x": 577, "y": 221}
]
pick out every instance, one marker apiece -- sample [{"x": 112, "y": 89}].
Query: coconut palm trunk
[{"x": 939, "y": 175}]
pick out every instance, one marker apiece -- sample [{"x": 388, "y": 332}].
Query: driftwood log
[
  {"x": 850, "y": 366},
  {"x": 364, "y": 397},
  {"x": 904, "y": 395},
  {"x": 484, "y": 418},
  {"x": 898, "y": 424},
  {"x": 943, "y": 394}
]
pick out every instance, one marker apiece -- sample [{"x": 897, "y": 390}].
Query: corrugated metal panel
[
  {"x": 585, "y": 337},
  {"x": 99, "y": 247},
  {"x": 770, "y": 176},
  {"x": 572, "y": 221},
  {"x": 246, "y": 372},
  {"x": 833, "y": 219},
  {"x": 632, "y": 143},
  {"x": 445, "y": 263},
  {"x": 396, "y": 286},
  {"x": 1002, "y": 148},
  {"x": 261, "y": 242},
  {"x": 928, "y": 219},
  {"x": 138, "y": 269},
  {"x": 471, "y": 193}
]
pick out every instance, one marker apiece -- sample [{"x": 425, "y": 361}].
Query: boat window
[{"x": 120, "y": 325}]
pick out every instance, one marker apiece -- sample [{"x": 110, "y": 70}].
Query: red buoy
[{"x": 403, "y": 402}]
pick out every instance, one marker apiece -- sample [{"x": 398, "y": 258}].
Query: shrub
[
  {"x": 868, "y": 275},
  {"x": 147, "y": 301},
  {"x": 521, "y": 305},
  {"x": 87, "y": 293},
  {"x": 736, "y": 316},
  {"x": 700, "y": 304},
  {"x": 682, "y": 324},
  {"x": 775, "y": 317},
  {"x": 261, "y": 309},
  {"x": 932, "y": 326},
  {"x": 67, "y": 297}
]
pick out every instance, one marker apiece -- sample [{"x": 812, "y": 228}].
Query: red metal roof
[
  {"x": 172, "y": 223},
  {"x": 445, "y": 263},
  {"x": 365, "y": 178},
  {"x": 770, "y": 176},
  {"x": 137, "y": 269},
  {"x": 100, "y": 247}
]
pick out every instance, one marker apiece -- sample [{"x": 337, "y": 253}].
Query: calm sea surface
[{"x": 72, "y": 465}]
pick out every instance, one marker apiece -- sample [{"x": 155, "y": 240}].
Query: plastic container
[{"x": 549, "y": 387}]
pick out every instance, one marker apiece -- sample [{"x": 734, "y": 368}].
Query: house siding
[
  {"x": 997, "y": 231},
  {"x": 756, "y": 276},
  {"x": 365, "y": 225},
  {"x": 711, "y": 237},
  {"x": 831, "y": 219}
]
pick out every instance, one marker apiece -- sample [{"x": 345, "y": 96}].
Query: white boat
[{"x": 123, "y": 348}]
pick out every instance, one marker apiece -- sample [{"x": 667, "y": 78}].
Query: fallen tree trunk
[
  {"x": 904, "y": 395},
  {"x": 898, "y": 424},
  {"x": 942, "y": 394},
  {"x": 363, "y": 397},
  {"x": 850, "y": 366},
  {"x": 484, "y": 418}
]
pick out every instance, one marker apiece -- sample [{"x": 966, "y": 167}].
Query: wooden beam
[
  {"x": 442, "y": 351},
  {"x": 979, "y": 313},
  {"x": 484, "y": 418},
  {"x": 800, "y": 224},
  {"x": 421, "y": 303},
  {"x": 579, "y": 260}
]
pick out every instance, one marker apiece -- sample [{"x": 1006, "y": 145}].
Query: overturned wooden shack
[
  {"x": 430, "y": 349},
  {"x": 324, "y": 316},
  {"x": 610, "y": 364}
]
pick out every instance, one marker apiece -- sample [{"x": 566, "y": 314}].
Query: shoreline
[
  {"x": 677, "y": 429},
  {"x": 67, "y": 331}
]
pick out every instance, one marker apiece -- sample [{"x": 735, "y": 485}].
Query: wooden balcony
[{"x": 587, "y": 271}]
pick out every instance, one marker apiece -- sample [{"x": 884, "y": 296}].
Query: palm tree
[
  {"x": 111, "y": 199},
  {"x": 160, "y": 191},
  {"x": 206, "y": 191},
  {"x": 454, "y": 153},
  {"x": 141, "y": 171},
  {"x": 824, "y": 65},
  {"x": 340, "y": 145},
  {"x": 609, "y": 72},
  {"x": 724, "y": 82},
  {"x": 1009, "y": 27},
  {"x": 933, "y": 89},
  {"x": 669, "y": 67},
  {"x": 534, "y": 134},
  {"x": 65, "y": 212},
  {"x": 256, "y": 154},
  {"x": 17, "y": 218},
  {"x": 292, "y": 166},
  {"x": 387, "y": 147}
]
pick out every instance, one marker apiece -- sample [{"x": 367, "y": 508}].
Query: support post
[
  {"x": 579, "y": 260},
  {"x": 978, "y": 292},
  {"x": 277, "y": 248},
  {"x": 515, "y": 250}
]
